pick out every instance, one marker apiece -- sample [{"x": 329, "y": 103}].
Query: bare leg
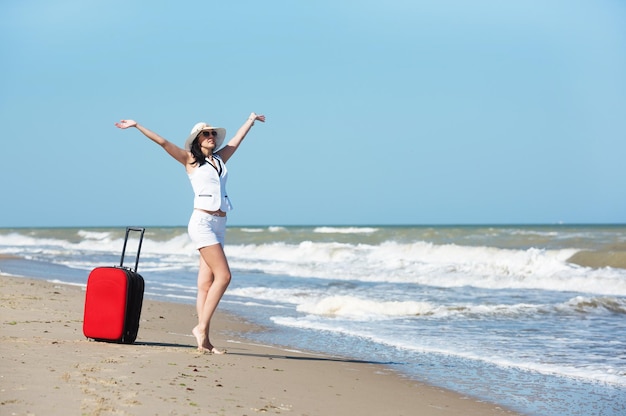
[
  {"x": 213, "y": 279},
  {"x": 205, "y": 280}
]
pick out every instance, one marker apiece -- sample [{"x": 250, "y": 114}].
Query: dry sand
[{"x": 49, "y": 368}]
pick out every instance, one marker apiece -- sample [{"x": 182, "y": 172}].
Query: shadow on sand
[{"x": 304, "y": 357}]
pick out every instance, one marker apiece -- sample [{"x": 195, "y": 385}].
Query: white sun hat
[{"x": 200, "y": 127}]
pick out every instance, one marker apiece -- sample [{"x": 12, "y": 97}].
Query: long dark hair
[{"x": 197, "y": 153}]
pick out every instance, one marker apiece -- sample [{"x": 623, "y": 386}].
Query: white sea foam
[
  {"x": 596, "y": 304},
  {"x": 422, "y": 263},
  {"x": 348, "y": 306},
  {"x": 290, "y": 296},
  {"x": 353, "y": 307},
  {"x": 95, "y": 235},
  {"x": 428, "y": 264}
]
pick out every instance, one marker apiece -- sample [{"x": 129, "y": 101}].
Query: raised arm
[
  {"x": 227, "y": 151},
  {"x": 176, "y": 152}
]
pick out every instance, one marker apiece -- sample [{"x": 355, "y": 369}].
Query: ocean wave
[
  {"x": 424, "y": 263},
  {"x": 345, "y": 230},
  {"x": 362, "y": 308},
  {"x": 418, "y": 262},
  {"x": 95, "y": 235},
  {"x": 348, "y": 306},
  {"x": 600, "y": 304}
]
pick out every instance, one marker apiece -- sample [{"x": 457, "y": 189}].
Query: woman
[{"x": 205, "y": 166}]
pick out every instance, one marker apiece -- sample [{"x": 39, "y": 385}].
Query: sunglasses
[{"x": 209, "y": 133}]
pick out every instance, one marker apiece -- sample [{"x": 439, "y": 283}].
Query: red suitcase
[{"x": 113, "y": 300}]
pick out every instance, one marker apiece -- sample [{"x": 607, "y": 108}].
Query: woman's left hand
[{"x": 255, "y": 116}]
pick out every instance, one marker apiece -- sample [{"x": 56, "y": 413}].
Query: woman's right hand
[{"x": 124, "y": 124}]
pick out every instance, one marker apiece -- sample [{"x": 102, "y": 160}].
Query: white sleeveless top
[{"x": 209, "y": 186}]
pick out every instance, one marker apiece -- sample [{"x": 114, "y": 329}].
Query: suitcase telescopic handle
[{"x": 128, "y": 230}]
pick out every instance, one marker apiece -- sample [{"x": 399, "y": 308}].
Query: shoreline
[{"x": 48, "y": 367}]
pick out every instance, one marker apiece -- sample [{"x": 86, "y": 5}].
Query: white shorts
[{"x": 206, "y": 230}]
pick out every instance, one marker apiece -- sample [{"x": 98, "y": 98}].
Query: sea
[{"x": 530, "y": 317}]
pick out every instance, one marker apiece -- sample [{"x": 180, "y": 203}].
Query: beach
[
  {"x": 48, "y": 367},
  {"x": 530, "y": 318}
]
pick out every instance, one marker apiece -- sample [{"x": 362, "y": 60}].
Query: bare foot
[
  {"x": 203, "y": 343},
  {"x": 210, "y": 349},
  {"x": 201, "y": 338},
  {"x": 216, "y": 351}
]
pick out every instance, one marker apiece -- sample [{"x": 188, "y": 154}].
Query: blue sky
[{"x": 396, "y": 112}]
